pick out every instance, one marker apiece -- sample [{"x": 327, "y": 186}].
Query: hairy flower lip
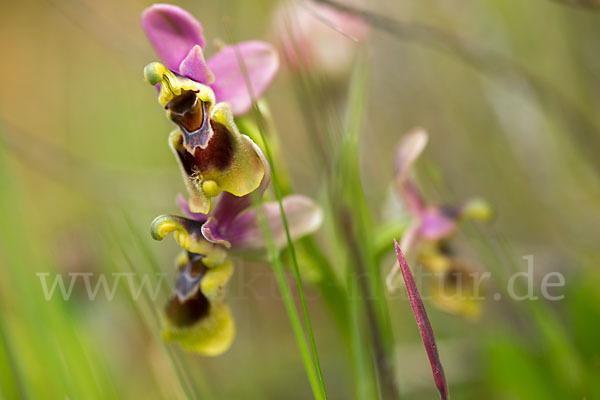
[{"x": 229, "y": 161}]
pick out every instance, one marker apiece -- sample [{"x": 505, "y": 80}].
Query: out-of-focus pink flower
[
  {"x": 432, "y": 222},
  {"x": 432, "y": 227},
  {"x": 178, "y": 40},
  {"x": 318, "y": 36}
]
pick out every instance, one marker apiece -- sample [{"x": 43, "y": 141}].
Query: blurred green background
[{"x": 511, "y": 101}]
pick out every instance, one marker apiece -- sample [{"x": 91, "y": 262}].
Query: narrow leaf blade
[{"x": 424, "y": 325}]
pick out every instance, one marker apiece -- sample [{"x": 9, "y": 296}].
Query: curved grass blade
[{"x": 424, "y": 325}]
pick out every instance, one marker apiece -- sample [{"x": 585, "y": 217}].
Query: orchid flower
[
  {"x": 432, "y": 223},
  {"x": 177, "y": 38},
  {"x": 212, "y": 154},
  {"x": 215, "y": 160},
  {"x": 432, "y": 227},
  {"x": 197, "y": 316}
]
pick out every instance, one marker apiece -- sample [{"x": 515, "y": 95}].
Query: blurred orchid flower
[
  {"x": 178, "y": 40},
  {"x": 456, "y": 291},
  {"x": 432, "y": 222},
  {"x": 319, "y": 36},
  {"x": 212, "y": 154},
  {"x": 432, "y": 227}
]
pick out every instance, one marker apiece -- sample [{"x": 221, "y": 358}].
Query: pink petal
[
  {"x": 215, "y": 230},
  {"x": 172, "y": 31},
  {"x": 194, "y": 66},
  {"x": 424, "y": 325},
  {"x": 260, "y": 62},
  {"x": 412, "y": 198},
  {"x": 211, "y": 231},
  {"x": 436, "y": 225},
  {"x": 407, "y": 151},
  {"x": 409, "y": 236},
  {"x": 303, "y": 214}
]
